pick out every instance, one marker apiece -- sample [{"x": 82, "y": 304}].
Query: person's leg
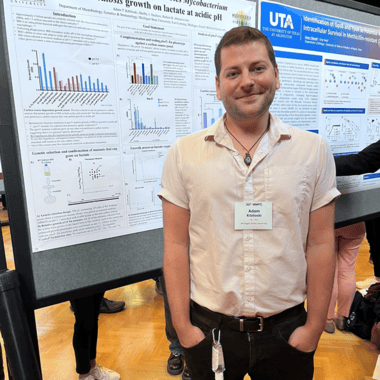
[
  {"x": 84, "y": 331},
  {"x": 330, "y": 327},
  {"x": 175, "y": 364},
  {"x": 348, "y": 252},
  {"x": 97, "y": 299},
  {"x": 272, "y": 357},
  {"x": 375, "y": 246}
]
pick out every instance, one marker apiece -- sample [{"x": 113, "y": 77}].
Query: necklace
[{"x": 247, "y": 159}]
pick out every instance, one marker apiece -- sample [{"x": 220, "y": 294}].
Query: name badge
[{"x": 253, "y": 216}]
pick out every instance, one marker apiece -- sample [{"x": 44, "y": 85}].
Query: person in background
[
  {"x": 85, "y": 338},
  {"x": 108, "y": 306},
  {"x": 365, "y": 161},
  {"x": 248, "y": 215},
  {"x": 347, "y": 243},
  {"x": 175, "y": 364}
]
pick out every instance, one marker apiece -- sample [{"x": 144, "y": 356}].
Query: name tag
[{"x": 253, "y": 216}]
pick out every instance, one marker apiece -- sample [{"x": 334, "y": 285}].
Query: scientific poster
[
  {"x": 330, "y": 80},
  {"x": 101, "y": 90}
]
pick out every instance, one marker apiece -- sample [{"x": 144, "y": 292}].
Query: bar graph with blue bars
[
  {"x": 49, "y": 81},
  {"x": 139, "y": 124}
]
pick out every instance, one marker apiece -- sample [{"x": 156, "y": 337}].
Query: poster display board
[
  {"x": 330, "y": 80},
  {"x": 101, "y": 90}
]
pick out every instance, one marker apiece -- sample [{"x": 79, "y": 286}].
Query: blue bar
[
  {"x": 41, "y": 83},
  {"x": 333, "y": 62},
  {"x": 303, "y": 57},
  {"x": 51, "y": 82},
  {"x": 314, "y": 131},
  {"x": 97, "y": 81},
  {"x": 89, "y": 83},
  {"x": 212, "y": 120},
  {"x": 93, "y": 87},
  {"x": 371, "y": 176},
  {"x": 43, "y": 59},
  {"x": 343, "y": 110},
  {"x": 220, "y": 112},
  {"x": 102, "y": 87},
  {"x": 85, "y": 85},
  {"x": 106, "y": 89},
  {"x": 204, "y": 120},
  {"x": 143, "y": 73},
  {"x": 81, "y": 83}
]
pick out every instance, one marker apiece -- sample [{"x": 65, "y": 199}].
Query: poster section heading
[{"x": 299, "y": 29}]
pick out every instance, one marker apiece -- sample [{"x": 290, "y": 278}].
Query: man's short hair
[{"x": 240, "y": 36}]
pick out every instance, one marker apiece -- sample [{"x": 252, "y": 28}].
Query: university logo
[
  {"x": 241, "y": 18},
  {"x": 284, "y": 20}
]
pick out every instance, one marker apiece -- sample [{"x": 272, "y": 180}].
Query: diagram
[
  {"x": 345, "y": 128},
  {"x": 375, "y": 82},
  {"x": 373, "y": 129},
  {"x": 345, "y": 84}
]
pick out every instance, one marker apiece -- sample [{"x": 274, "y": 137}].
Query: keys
[{"x": 217, "y": 357}]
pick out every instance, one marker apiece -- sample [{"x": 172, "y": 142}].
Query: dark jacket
[{"x": 365, "y": 161}]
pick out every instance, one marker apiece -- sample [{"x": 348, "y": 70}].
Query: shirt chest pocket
[{"x": 286, "y": 187}]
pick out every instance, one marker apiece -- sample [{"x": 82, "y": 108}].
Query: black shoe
[
  {"x": 175, "y": 364},
  {"x": 109, "y": 307},
  {"x": 186, "y": 374}
]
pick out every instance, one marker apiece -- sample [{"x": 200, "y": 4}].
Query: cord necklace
[{"x": 247, "y": 159}]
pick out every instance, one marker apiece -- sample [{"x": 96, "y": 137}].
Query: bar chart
[
  {"x": 141, "y": 71},
  {"x": 210, "y": 108},
  {"x": 50, "y": 80},
  {"x": 149, "y": 121}
]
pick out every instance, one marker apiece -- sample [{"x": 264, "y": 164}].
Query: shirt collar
[{"x": 277, "y": 131}]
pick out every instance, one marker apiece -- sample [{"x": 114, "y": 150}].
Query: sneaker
[
  {"x": 330, "y": 327},
  {"x": 367, "y": 283},
  {"x": 107, "y": 306},
  {"x": 101, "y": 373}
]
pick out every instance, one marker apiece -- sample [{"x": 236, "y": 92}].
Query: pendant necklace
[{"x": 247, "y": 159}]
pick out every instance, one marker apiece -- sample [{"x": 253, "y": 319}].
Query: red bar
[
  {"x": 72, "y": 79},
  {"x": 60, "y": 85},
  {"x": 55, "y": 79},
  {"x": 134, "y": 72},
  {"x": 78, "y": 88},
  {"x": 68, "y": 82}
]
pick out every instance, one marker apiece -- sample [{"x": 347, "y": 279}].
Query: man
[{"x": 248, "y": 221}]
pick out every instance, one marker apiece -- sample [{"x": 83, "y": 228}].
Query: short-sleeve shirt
[{"x": 249, "y": 272}]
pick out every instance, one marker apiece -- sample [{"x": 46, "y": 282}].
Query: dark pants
[
  {"x": 263, "y": 355},
  {"x": 85, "y": 336},
  {"x": 171, "y": 335},
  {"x": 372, "y": 227}
]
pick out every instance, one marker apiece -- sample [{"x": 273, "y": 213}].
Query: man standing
[{"x": 249, "y": 227}]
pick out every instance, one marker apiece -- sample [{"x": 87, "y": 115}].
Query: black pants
[
  {"x": 372, "y": 227},
  {"x": 85, "y": 336},
  {"x": 263, "y": 355}
]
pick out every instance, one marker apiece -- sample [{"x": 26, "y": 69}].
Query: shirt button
[
  {"x": 247, "y": 269},
  {"x": 236, "y": 153},
  {"x": 249, "y": 299},
  {"x": 248, "y": 238}
]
